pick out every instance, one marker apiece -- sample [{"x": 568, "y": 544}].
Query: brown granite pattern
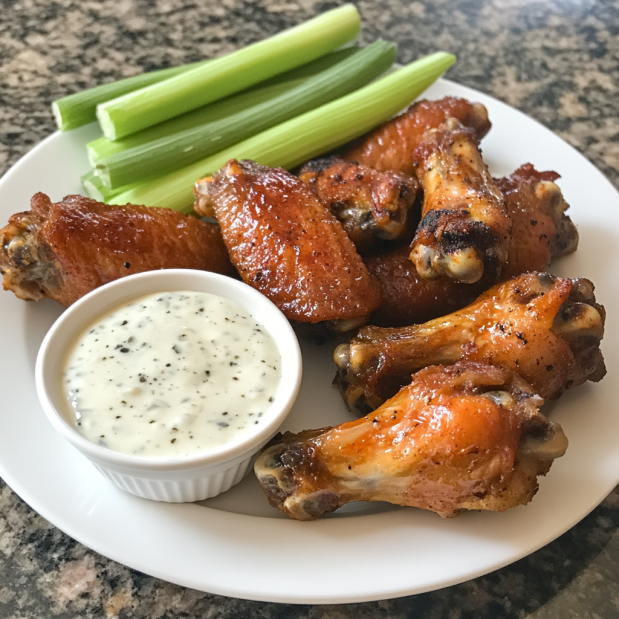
[{"x": 557, "y": 61}]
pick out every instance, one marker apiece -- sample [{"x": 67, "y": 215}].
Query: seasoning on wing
[
  {"x": 390, "y": 146},
  {"x": 287, "y": 245},
  {"x": 372, "y": 206},
  {"x": 63, "y": 250},
  {"x": 547, "y": 329},
  {"x": 465, "y": 227},
  {"x": 467, "y": 436}
]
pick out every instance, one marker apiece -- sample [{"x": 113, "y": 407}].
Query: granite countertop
[{"x": 557, "y": 61}]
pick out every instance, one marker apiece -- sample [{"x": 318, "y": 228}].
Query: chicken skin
[
  {"x": 407, "y": 298},
  {"x": 541, "y": 232},
  {"x": 287, "y": 245},
  {"x": 466, "y": 436},
  {"x": 66, "y": 249},
  {"x": 390, "y": 146},
  {"x": 372, "y": 206},
  {"x": 547, "y": 329},
  {"x": 465, "y": 228}
]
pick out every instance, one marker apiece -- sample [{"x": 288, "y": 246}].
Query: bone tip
[
  {"x": 480, "y": 110},
  {"x": 584, "y": 288},
  {"x": 341, "y": 356},
  {"x": 453, "y": 124},
  {"x": 201, "y": 186},
  {"x": 425, "y": 260},
  {"x": 580, "y": 320},
  {"x": 553, "y": 190},
  {"x": 501, "y": 398},
  {"x": 465, "y": 265},
  {"x": 552, "y": 445},
  {"x": 313, "y": 505}
]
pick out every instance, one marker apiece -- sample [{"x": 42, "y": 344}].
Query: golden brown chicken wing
[
  {"x": 545, "y": 328},
  {"x": 465, "y": 227},
  {"x": 390, "y": 146},
  {"x": 64, "y": 250},
  {"x": 467, "y": 436},
  {"x": 407, "y": 298},
  {"x": 287, "y": 245},
  {"x": 541, "y": 231},
  {"x": 372, "y": 206}
]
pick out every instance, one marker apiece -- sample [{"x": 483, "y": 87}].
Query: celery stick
[
  {"x": 96, "y": 190},
  {"x": 102, "y": 147},
  {"x": 229, "y": 74},
  {"x": 91, "y": 183},
  {"x": 179, "y": 150},
  {"x": 297, "y": 140},
  {"x": 79, "y": 109}
]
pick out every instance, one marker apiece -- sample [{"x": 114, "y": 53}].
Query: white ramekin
[{"x": 180, "y": 479}]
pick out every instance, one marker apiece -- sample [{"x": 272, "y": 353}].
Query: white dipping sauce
[{"x": 171, "y": 374}]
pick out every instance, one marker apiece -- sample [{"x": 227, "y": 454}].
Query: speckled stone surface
[{"x": 557, "y": 61}]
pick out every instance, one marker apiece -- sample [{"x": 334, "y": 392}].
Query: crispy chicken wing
[
  {"x": 541, "y": 231},
  {"x": 467, "y": 436},
  {"x": 545, "y": 328},
  {"x": 407, "y": 298},
  {"x": 64, "y": 250},
  {"x": 287, "y": 245},
  {"x": 465, "y": 227},
  {"x": 390, "y": 146},
  {"x": 372, "y": 206}
]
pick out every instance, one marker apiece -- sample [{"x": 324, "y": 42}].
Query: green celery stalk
[
  {"x": 101, "y": 148},
  {"x": 79, "y": 109},
  {"x": 96, "y": 190},
  {"x": 297, "y": 140},
  {"x": 181, "y": 149},
  {"x": 229, "y": 74}
]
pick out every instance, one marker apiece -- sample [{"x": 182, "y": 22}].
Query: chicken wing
[
  {"x": 287, "y": 245},
  {"x": 64, "y": 250},
  {"x": 465, "y": 227},
  {"x": 371, "y": 206},
  {"x": 467, "y": 436},
  {"x": 390, "y": 146},
  {"x": 407, "y": 298},
  {"x": 541, "y": 231},
  {"x": 545, "y": 328}
]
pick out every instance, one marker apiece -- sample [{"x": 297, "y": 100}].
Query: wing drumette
[
  {"x": 390, "y": 146},
  {"x": 465, "y": 227},
  {"x": 64, "y": 250},
  {"x": 287, "y": 245},
  {"x": 467, "y": 436},
  {"x": 545, "y": 328},
  {"x": 372, "y": 206}
]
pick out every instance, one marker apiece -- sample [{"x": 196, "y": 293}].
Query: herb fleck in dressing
[{"x": 171, "y": 374}]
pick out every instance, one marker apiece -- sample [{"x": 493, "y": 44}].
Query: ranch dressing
[{"x": 171, "y": 374}]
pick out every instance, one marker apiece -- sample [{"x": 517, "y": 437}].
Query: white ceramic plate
[{"x": 236, "y": 544}]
